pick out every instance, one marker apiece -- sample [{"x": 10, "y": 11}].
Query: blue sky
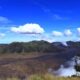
[{"x": 51, "y": 20}]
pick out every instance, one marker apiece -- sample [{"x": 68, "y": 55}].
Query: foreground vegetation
[
  {"x": 24, "y": 61},
  {"x": 41, "y": 77}
]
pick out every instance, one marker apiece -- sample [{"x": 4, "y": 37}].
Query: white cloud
[
  {"x": 67, "y": 32},
  {"x": 46, "y": 37},
  {"x": 2, "y": 35},
  {"x": 57, "y": 33},
  {"x": 4, "y": 20},
  {"x": 78, "y": 30},
  {"x": 28, "y": 29}
]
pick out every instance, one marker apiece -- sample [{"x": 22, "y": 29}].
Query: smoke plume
[{"x": 67, "y": 69}]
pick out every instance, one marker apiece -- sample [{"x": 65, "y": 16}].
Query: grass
[
  {"x": 18, "y": 67},
  {"x": 51, "y": 77},
  {"x": 15, "y": 64},
  {"x": 41, "y": 77}
]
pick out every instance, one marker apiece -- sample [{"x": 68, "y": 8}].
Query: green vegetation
[
  {"x": 51, "y": 77},
  {"x": 37, "y": 47},
  {"x": 41, "y": 77},
  {"x": 26, "y": 47}
]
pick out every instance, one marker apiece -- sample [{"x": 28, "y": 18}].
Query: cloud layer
[
  {"x": 2, "y": 35},
  {"x": 32, "y": 30},
  {"x": 28, "y": 29},
  {"x": 4, "y": 20},
  {"x": 57, "y": 33},
  {"x": 67, "y": 32},
  {"x": 78, "y": 31}
]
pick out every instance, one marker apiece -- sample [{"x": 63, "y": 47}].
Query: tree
[{"x": 15, "y": 47}]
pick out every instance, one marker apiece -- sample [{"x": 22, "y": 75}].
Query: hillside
[
  {"x": 26, "y": 47},
  {"x": 38, "y": 46},
  {"x": 21, "y": 59}
]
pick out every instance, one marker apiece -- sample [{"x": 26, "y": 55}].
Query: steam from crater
[{"x": 67, "y": 69}]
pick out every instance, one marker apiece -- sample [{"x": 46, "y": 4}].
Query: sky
[{"x": 50, "y": 20}]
